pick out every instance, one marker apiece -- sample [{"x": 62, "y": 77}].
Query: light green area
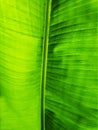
[
  {"x": 21, "y": 43},
  {"x": 70, "y": 69}
]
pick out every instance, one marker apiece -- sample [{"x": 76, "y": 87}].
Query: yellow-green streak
[{"x": 44, "y": 63}]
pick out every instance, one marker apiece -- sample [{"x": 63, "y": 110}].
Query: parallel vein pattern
[
  {"x": 71, "y": 89},
  {"x": 21, "y": 31}
]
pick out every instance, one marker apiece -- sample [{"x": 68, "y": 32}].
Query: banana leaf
[
  {"x": 48, "y": 65},
  {"x": 22, "y": 29},
  {"x": 72, "y": 81}
]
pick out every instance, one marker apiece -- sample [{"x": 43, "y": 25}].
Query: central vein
[{"x": 44, "y": 65}]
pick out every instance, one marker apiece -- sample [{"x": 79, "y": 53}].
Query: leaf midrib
[{"x": 44, "y": 60}]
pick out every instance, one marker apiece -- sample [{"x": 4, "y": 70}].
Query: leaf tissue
[{"x": 48, "y": 65}]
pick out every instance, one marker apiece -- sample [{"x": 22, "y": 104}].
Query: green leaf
[
  {"x": 22, "y": 30},
  {"x": 48, "y": 59},
  {"x": 71, "y": 85}
]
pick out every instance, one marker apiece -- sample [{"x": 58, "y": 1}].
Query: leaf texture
[
  {"x": 22, "y": 29},
  {"x": 48, "y": 65},
  {"x": 71, "y": 84}
]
